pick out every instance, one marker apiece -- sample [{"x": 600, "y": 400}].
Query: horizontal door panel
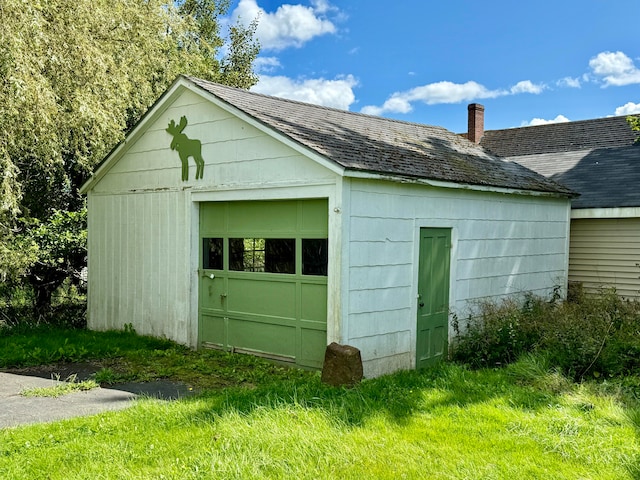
[
  {"x": 260, "y": 297},
  {"x": 262, "y": 337}
]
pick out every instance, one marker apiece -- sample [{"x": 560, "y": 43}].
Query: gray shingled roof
[
  {"x": 380, "y": 145},
  {"x": 607, "y": 132},
  {"x": 596, "y": 158}
]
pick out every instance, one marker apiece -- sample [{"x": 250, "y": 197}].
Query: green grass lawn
[{"x": 448, "y": 422}]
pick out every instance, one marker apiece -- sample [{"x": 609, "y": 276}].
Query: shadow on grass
[{"x": 397, "y": 397}]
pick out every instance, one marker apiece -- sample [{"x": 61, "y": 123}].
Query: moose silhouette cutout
[{"x": 186, "y": 148}]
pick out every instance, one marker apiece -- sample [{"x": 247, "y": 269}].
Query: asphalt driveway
[{"x": 16, "y": 409}]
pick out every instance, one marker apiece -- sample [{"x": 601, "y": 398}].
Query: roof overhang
[{"x": 453, "y": 185}]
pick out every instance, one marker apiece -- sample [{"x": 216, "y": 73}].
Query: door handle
[{"x": 420, "y": 302}]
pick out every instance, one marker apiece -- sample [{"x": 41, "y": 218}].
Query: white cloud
[
  {"x": 615, "y": 68},
  {"x": 289, "y": 25},
  {"x": 446, "y": 92},
  {"x": 322, "y": 6},
  {"x": 266, "y": 64},
  {"x": 628, "y": 109},
  {"x": 395, "y": 104},
  {"x": 526, "y": 86},
  {"x": 372, "y": 110},
  {"x": 542, "y": 121},
  {"x": 432, "y": 94},
  {"x": 336, "y": 93},
  {"x": 569, "y": 82}
]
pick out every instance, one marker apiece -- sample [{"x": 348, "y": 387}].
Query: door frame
[{"x": 335, "y": 190}]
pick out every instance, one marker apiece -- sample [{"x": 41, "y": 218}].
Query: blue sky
[{"x": 425, "y": 60}]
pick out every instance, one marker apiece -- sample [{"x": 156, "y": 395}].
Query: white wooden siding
[
  {"x": 143, "y": 226},
  {"x": 502, "y": 245},
  {"x": 236, "y": 155},
  {"x": 139, "y": 264},
  {"x": 605, "y": 252}
]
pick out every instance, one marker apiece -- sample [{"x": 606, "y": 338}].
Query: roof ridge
[
  {"x": 313, "y": 105},
  {"x": 571, "y": 122}
]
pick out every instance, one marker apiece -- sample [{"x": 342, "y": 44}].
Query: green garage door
[{"x": 263, "y": 278}]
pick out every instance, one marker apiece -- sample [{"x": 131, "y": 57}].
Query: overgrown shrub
[
  {"x": 596, "y": 335},
  {"x": 599, "y": 335},
  {"x": 498, "y": 335}
]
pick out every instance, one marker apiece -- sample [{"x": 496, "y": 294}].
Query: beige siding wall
[
  {"x": 501, "y": 245},
  {"x": 605, "y": 252}
]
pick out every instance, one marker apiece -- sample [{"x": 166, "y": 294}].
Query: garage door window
[
  {"x": 315, "y": 256},
  {"x": 212, "y": 249},
  {"x": 270, "y": 255}
]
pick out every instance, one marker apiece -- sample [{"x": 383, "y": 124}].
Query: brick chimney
[{"x": 475, "y": 128}]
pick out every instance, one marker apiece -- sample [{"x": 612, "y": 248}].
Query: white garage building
[{"x": 305, "y": 225}]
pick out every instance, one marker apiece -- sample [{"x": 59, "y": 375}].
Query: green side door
[
  {"x": 433, "y": 295},
  {"x": 263, "y": 278}
]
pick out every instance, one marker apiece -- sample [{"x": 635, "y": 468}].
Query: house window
[
  {"x": 212, "y": 249},
  {"x": 270, "y": 255},
  {"x": 315, "y": 256}
]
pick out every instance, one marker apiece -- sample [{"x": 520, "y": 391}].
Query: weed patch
[
  {"x": 595, "y": 336},
  {"x": 70, "y": 385}
]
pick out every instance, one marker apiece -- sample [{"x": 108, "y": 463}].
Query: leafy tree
[
  {"x": 242, "y": 52},
  {"x": 74, "y": 77},
  {"x": 59, "y": 246},
  {"x": 634, "y": 123}
]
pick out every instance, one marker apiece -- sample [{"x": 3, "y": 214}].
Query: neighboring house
[
  {"x": 291, "y": 226},
  {"x": 600, "y": 160}
]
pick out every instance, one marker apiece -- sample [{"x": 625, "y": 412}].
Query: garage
[
  {"x": 263, "y": 278},
  {"x": 237, "y": 221}
]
